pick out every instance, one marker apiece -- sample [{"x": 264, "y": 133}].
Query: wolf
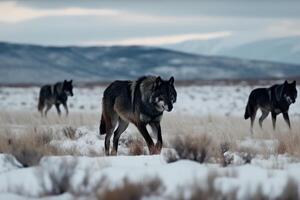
[
  {"x": 141, "y": 102},
  {"x": 275, "y": 99},
  {"x": 55, "y": 94}
]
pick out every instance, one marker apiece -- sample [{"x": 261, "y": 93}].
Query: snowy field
[{"x": 62, "y": 158}]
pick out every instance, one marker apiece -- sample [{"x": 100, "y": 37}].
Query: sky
[{"x": 140, "y": 22}]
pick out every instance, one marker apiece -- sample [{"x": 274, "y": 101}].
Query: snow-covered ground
[
  {"x": 270, "y": 175},
  {"x": 192, "y": 100}
]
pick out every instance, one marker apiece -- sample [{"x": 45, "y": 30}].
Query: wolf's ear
[
  {"x": 65, "y": 81},
  {"x": 278, "y": 91},
  {"x": 158, "y": 82},
  {"x": 71, "y": 81},
  {"x": 171, "y": 81},
  {"x": 285, "y": 82},
  {"x": 294, "y": 83}
]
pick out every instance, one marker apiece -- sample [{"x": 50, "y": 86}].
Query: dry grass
[
  {"x": 136, "y": 147},
  {"x": 231, "y": 131},
  {"x": 220, "y": 130},
  {"x": 75, "y": 119},
  {"x": 27, "y": 148},
  {"x": 290, "y": 191},
  {"x": 134, "y": 190},
  {"x": 195, "y": 148},
  {"x": 61, "y": 178},
  {"x": 69, "y": 132},
  {"x": 289, "y": 143},
  {"x": 27, "y": 135},
  {"x": 32, "y": 144},
  {"x": 207, "y": 190}
]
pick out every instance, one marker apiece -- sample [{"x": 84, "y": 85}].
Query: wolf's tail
[
  {"x": 102, "y": 128},
  {"x": 247, "y": 114}
]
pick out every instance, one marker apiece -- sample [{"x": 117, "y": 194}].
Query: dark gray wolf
[
  {"x": 140, "y": 102},
  {"x": 275, "y": 99},
  {"x": 55, "y": 94}
]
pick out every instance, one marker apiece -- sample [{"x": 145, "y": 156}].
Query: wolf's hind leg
[
  {"x": 121, "y": 128},
  {"x": 274, "y": 120},
  {"x": 263, "y": 116},
  {"x": 47, "y": 109},
  {"x": 287, "y": 119},
  {"x": 252, "y": 118},
  {"x": 111, "y": 122},
  {"x": 41, "y": 110},
  {"x": 41, "y": 106}
]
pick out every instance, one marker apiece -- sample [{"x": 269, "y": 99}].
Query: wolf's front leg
[
  {"x": 58, "y": 109},
  {"x": 287, "y": 118},
  {"x": 66, "y": 108},
  {"x": 157, "y": 130},
  {"x": 142, "y": 128}
]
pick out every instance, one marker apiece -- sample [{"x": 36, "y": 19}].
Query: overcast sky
[{"x": 155, "y": 22}]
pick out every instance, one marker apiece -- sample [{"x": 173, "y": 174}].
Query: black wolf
[
  {"x": 140, "y": 102},
  {"x": 275, "y": 99},
  {"x": 55, "y": 94}
]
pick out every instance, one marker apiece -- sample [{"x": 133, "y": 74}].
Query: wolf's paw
[
  {"x": 158, "y": 146},
  {"x": 155, "y": 149},
  {"x": 113, "y": 152}
]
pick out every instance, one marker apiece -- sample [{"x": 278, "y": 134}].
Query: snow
[
  {"x": 193, "y": 100},
  {"x": 246, "y": 179},
  {"x": 8, "y": 162}
]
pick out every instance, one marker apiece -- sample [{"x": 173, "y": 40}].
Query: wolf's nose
[{"x": 169, "y": 108}]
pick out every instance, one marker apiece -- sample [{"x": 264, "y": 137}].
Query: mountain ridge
[{"x": 26, "y": 63}]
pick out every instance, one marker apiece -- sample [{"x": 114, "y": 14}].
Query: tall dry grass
[
  {"x": 27, "y": 148},
  {"x": 26, "y": 118},
  {"x": 220, "y": 132},
  {"x": 33, "y": 143},
  {"x": 200, "y": 138}
]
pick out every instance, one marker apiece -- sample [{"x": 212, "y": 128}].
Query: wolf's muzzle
[
  {"x": 168, "y": 108},
  {"x": 289, "y": 100},
  {"x": 69, "y": 93}
]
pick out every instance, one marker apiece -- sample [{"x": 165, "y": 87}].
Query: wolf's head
[
  {"x": 164, "y": 94},
  {"x": 289, "y": 92},
  {"x": 68, "y": 87}
]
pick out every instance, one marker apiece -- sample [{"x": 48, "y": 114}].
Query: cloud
[
  {"x": 10, "y": 12},
  {"x": 284, "y": 28},
  {"x": 162, "y": 40}
]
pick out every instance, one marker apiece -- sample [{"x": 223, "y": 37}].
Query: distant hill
[
  {"x": 42, "y": 64},
  {"x": 286, "y": 49}
]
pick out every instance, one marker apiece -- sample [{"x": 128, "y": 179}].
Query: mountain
[
  {"x": 286, "y": 49},
  {"x": 45, "y": 64}
]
